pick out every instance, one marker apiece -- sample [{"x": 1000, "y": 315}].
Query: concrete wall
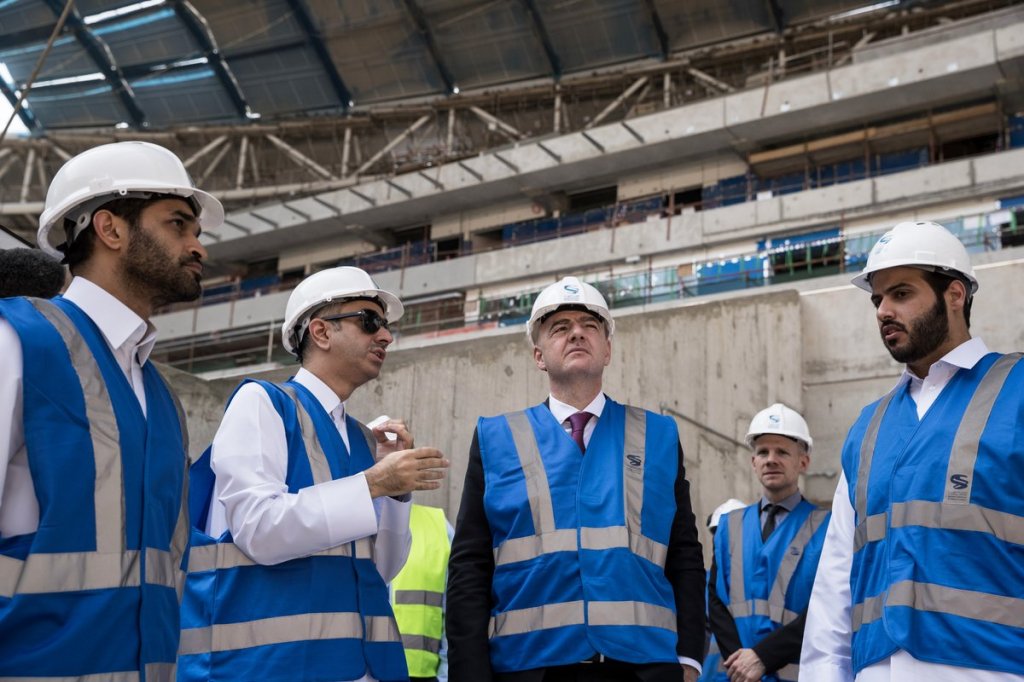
[{"x": 717, "y": 360}]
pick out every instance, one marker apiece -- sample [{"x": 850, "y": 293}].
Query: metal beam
[
  {"x": 26, "y": 115},
  {"x": 394, "y": 143},
  {"x": 657, "y": 27},
  {"x": 300, "y": 158},
  {"x": 420, "y": 21},
  {"x": 708, "y": 79},
  {"x": 778, "y": 16},
  {"x": 316, "y": 40},
  {"x": 497, "y": 122},
  {"x": 637, "y": 84},
  {"x": 196, "y": 25},
  {"x": 541, "y": 31},
  {"x": 104, "y": 60}
]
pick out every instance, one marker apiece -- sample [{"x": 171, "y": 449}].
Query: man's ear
[
  {"x": 538, "y": 358},
  {"x": 110, "y": 230},
  {"x": 318, "y": 335},
  {"x": 956, "y": 295}
]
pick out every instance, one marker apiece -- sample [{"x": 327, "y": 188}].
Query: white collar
[
  {"x": 964, "y": 356},
  {"x": 327, "y": 398},
  {"x": 563, "y": 411},
  {"x": 117, "y": 322}
]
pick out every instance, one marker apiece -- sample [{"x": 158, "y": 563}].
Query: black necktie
[{"x": 772, "y": 511}]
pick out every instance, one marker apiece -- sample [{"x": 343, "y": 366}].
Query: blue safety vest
[
  {"x": 767, "y": 584},
  {"x": 580, "y": 540},
  {"x": 94, "y": 591},
  {"x": 322, "y": 617},
  {"x": 938, "y": 563}
]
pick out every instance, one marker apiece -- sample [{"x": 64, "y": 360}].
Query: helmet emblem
[{"x": 571, "y": 289}]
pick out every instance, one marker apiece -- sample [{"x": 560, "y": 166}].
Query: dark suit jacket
[
  {"x": 776, "y": 650},
  {"x": 471, "y": 570}
]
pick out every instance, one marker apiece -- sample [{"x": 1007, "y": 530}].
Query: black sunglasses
[{"x": 371, "y": 320}]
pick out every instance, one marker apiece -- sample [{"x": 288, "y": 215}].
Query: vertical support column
[
  {"x": 346, "y": 151},
  {"x": 557, "y": 126},
  {"x": 666, "y": 86},
  {"x": 450, "y": 139}
]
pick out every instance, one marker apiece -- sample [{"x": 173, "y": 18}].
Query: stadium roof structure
[{"x": 264, "y": 98}]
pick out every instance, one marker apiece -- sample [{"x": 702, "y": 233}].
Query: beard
[
  {"x": 925, "y": 335},
  {"x": 149, "y": 266}
]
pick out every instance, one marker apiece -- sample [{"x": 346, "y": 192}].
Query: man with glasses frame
[{"x": 306, "y": 510}]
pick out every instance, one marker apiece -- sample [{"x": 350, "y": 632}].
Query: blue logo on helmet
[{"x": 571, "y": 289}]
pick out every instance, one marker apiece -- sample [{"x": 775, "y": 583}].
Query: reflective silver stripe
[
  {"x": 421, "y": 643},
  {"x": 867, "y": 611},
  {"x": 871, "y": 529},
  {"x": 161, "y": 672},
  {"x": 160, "y": 570},
  {"x": 789, "y": 672},
  {"x": 762, "y": 607},
  {"x": 952, "y": 516},
  {"x": 867, "y": 451},
  {"x": 737, "y": 584},
  {"x": 225, "y": 555},
  {"x": 72, "y": 572},
  {"x": 635, "y": 446},
  {"x": 419, "y": 598},
  {"x": 382, "y": 629},
  {"x": 537, "y": 490},
  {"x": 108, "y": 497},
  {"x": 10, "y": 572},
  {"x": 532, "y": 546},
  {"x": 254, "y": 633},
  {"x": 964, "y": 454},
  {"x": 314, "y": 451},
  {"x": 537, "y": 618},
  {"x": 179, "y": 539},
  {"x": 611, "y": 537},
  {"x": 631, "y": 613},
  {"x": 98, "y": 677},
  {"x": 991, "y": 608},
  {"x": 792, "y": 557}
]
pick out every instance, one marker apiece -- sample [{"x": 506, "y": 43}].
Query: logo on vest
[
  {"x": 634, "y": 461},
  {"x": 958, "y": 489}
]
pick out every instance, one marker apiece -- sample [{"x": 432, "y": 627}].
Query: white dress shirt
[
  {"x": 129, "y": 337},
  {"x": 562, "y": 412},
  {"x": 271, "y": 525},
  {"x": 826, "y": 653}
]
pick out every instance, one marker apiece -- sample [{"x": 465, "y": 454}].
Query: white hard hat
[
  {"x": 779, "y": 420},
  {"x": 569, "y": 291},
  {"x": 111, "y": 171},
  {"x": 925, "y": 245},
  {"x": 732, "y": 504},
  {"x": 331, "y": 286}
]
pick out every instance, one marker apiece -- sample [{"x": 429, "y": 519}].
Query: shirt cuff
[
  {"x": 683, "y": 660},
  {"x": 348, "y": 509}
]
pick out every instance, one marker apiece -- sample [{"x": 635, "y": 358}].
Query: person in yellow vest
[{"x": 417, "y": 594}]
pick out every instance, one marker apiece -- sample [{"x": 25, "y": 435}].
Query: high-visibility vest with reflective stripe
[
  {"x": 95, "y": 590},
  {"x": 417, "y": 592},
  {"x": 580, "y": 540},
  {"x": 767, "y": 584},
  {"x": 938, "y": 564},
  {"x": 322, "y": 617}
]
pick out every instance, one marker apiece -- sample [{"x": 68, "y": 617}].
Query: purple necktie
[{"x": 579, "y": 423}]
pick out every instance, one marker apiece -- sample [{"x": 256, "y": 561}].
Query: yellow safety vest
[{"x": 417, "y": 592}]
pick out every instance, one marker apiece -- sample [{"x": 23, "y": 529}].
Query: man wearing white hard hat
[
  {"x": 922, "y": 573},
  {"x": 575, "y": 554},
  {"x": 93, "y": 444},
  {"x": 765, "y": 557},
  {"x": 300, "y": 512}
]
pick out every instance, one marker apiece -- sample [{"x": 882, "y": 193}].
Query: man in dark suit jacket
[{"x": 581, "y": 562}]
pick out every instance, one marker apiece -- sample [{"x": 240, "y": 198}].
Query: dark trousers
[{"x": 607, "y": 671}]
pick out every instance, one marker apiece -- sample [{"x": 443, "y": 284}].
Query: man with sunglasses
[
  {"x": 306, "y": 510},
  {"x": 575, "y": 556}
]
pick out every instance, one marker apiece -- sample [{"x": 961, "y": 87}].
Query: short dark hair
[
  {"x": 128, "y": 209},
  {"x": 29, "y": 272},
  {"x": 939, "y": 282}
]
